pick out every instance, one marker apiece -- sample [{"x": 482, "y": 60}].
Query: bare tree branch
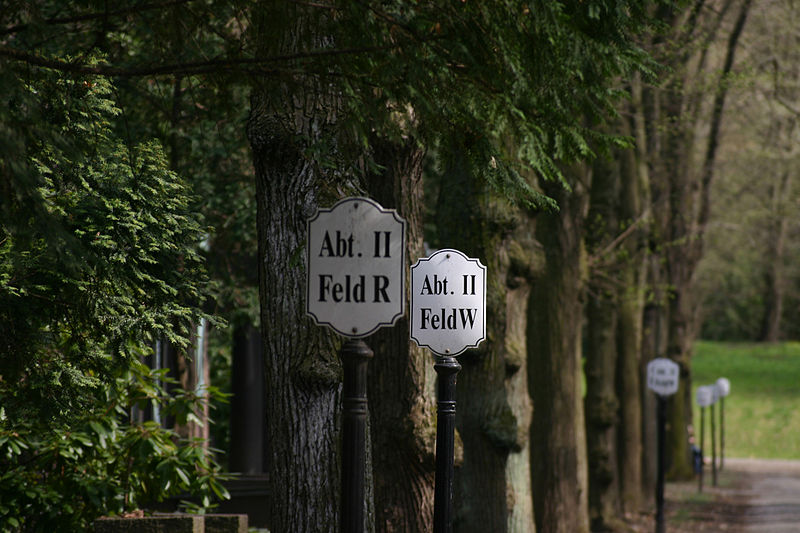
[{"x": 223, "y": 64}]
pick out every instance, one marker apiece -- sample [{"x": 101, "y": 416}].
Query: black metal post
[
  {"x": 446, "y": 369},
  {"x": 702, "y": 441},
  {"x": 661, "y": 421},
  {"x": 355, "y": 356},
  {"x": 713, "y": 448},
  {"x": 721, "y": 431}
]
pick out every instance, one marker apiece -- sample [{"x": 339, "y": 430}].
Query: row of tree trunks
[
  {"x": 686, "y": 199},
  {"x": 574, "y": 462}
]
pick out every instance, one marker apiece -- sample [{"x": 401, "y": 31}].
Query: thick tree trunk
[
  {"x": 601, "y": 407},
  {"x": 401, "y": 376},
  {"x": 302, "y": 371},
  {"x": 651, "y": 328},
  {"x": 633, "y": 211},
  {"x": 491, "y": 423},
  {"x": 601, "y": 402},
  {"x": 557, "y": 433}
]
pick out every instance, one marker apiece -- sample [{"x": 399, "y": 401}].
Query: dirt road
[{"x": 751, "y": 496}]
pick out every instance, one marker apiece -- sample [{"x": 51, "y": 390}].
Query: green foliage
[
  {"x": 106, "y": 256},
  {"x": 98, "y": 257},
  {"x": 514, "y": 83},
  {"x": 61, "y": 477}
]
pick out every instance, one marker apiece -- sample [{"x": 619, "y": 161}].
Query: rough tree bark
[
  {"x": 401, "y": 376},
  {"x": 302, "y": 371},
  {"x": 601, "y": 402},
  {"x": 493, "y": 406},
  {"x": 558, "y": 458},
  {"x": 634, "y": 209}
]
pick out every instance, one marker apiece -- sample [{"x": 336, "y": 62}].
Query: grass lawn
[{"x": 762, "y": 412}]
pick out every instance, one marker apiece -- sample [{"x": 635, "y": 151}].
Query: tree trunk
[
  {"x": 302, "y": 370},
  {"x": 774, "y": 275},
  {"x": 681, "y": 188},
  {"x": 633, "y": 211},
  {"x": 401, "y": 376},
  {"x": 492, "y": 423},
  {"x": 557, "y": 432},
  {"x": 601, "y": 402}
]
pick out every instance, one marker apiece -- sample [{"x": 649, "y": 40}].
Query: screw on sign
[{"x": 355, "y": 284}]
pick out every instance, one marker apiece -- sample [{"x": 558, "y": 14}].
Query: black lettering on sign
[
  {"x": 437, "y": 286},
  {"x": 348, "y": 291},
  {"x": 380, "y": 283},
  {"x": 470, "y": 316},
  {"x": 382, "y": 240},
  {"x": 469, "y": 284},
  {"x": 448, "y": 318},
  {"x": 343, "y": 247}
]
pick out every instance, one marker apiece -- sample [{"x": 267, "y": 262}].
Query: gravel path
[
  {"x": 774, "y": 494},
  {"x": 751, "y": 496}
]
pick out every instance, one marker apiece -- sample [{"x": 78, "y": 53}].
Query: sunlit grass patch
[{"x": 762, "y": 413}]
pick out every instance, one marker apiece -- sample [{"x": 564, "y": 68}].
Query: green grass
[{"x": 762, "y": 413}]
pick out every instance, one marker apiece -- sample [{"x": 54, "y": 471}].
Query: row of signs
[
  {"x": 709, "y": 394},
  {"x": 662, "y": 378},
  {"x": 356, "y": 280}
]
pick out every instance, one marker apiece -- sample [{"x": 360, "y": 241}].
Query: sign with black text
[
  {"x": 356, "y": 267},
  {"x": 662, "y": 376},
  {"x": 448, "y": 301}
]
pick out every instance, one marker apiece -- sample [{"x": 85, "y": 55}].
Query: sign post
[
  {"x": 715, "y": 396},
  {"x": 704, "y": 397},
  {"x": 724, "y": 388},
  {"x": 448, "y": 303},
  {"x": 355, "y": 284},
  {"x": 662, "y": 378}
]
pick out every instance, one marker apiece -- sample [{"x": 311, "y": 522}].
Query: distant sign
[
  {"x": 706, "y": 395},
  {"x": 356, "y": 267},
  {"x": 448, "y": 302},
  {"x": 723, "y": 387},
  {"x": 662, "y": 376}
]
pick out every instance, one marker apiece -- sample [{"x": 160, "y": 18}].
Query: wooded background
[{"x": 624, "y": 169}]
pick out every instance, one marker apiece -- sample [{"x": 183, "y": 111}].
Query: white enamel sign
[
  {"x": 662, "y": 376},
  {"x": 706, "y": 395},
  {"x": 356, "y": 267},
  {"x": 448, "y": 302},
  {"x": 723, "y": 387}
]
